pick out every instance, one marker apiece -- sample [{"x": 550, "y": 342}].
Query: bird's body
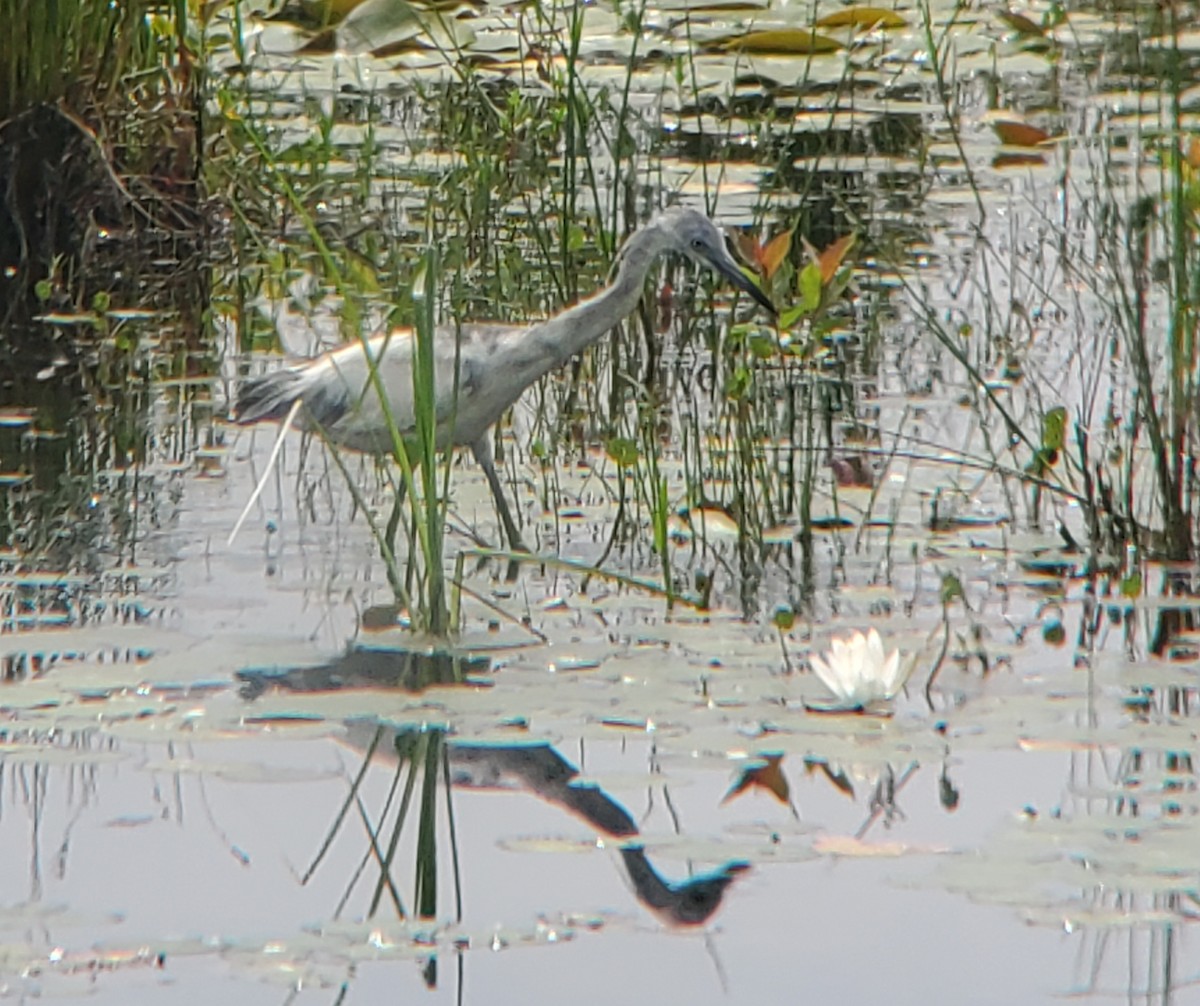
[
  {"x": 339, "y": 398},
  {"x": 480, "y": 371}
]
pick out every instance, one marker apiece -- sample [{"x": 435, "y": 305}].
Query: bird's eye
[{"x": 698, "y": 244}]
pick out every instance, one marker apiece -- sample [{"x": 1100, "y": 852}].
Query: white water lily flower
[{"x": 859, "y": 673}]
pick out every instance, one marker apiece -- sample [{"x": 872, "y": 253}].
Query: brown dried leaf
[
  {"x": 863, "y": 17},
  {"x": 1016, "y": 133}
]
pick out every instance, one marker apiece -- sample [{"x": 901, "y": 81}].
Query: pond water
[{"x": 237, "y": 769}]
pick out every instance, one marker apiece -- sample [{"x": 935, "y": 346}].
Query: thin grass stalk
[
  {"x": 374, "y": 851},
  {"x": 807, "y": 481},
  {"x": 933, "y": 49},
  {"x": 572, "y": 135},
  {"x": 652, "y": 486},
  {"x": 452, "y": 829},
  {"x": 693, "y": 74},
  {"x": 585, "y": 569},
  {"x": 609, "y": 234},
  {"x": 425, "y": 879},
  {"x": 425, "y": 405},
  {"x": 416, "y": 758},
  {"x": 456, "y": 592},
  {"x": 345, "y": 808},
  {"x": 1181, "y": 331}
]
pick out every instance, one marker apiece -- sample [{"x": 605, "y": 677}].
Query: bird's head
[{"x": 694, "y": 236}]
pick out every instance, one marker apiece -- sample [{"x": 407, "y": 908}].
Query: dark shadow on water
[{"x": 365, "y": 667}]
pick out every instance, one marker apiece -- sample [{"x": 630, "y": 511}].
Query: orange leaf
[
  {"x": 765, "y": 772},
  {"x": 1017, "y": 160},
  {"x": 771, "y": 257},
  {"x": 748, "y": 247},
  {"x": 1016, "y": 133},
  {"x": 1192, "y": 153},
  {"x": 766, "y": 257},
  {"x": 666, "y": 302},
  {"x": 830, "y": 260}
]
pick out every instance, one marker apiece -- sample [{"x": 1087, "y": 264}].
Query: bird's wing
[
  {"x": 364, "y": 423},
  {"x": 463, "y": 367}
]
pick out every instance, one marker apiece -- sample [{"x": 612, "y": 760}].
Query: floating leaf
[
  {"x": 779, "y": 42},
  {"x": 1016, "y": 133},
  {"x": 388, "y": 27},
  {"x": 863, "y": 17},
  {"x": 1020, "y": 23},
  {"x": 1020, "y": 159},
  {"x": 857, "y": 848}
]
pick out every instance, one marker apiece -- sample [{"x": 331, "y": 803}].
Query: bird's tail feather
[
  {"x": 270, "y": 396},
  {"x": 325, "y": 395}
]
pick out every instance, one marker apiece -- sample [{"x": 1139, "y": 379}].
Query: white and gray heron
[{"x": 482, "y": 371}]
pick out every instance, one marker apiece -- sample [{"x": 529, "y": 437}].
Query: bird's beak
[{"x": 728, "y": 267}]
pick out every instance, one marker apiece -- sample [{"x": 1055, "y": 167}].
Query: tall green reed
[{"x": 81, "y": 51}]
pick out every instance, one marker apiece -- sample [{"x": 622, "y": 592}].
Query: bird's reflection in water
[
  {"x": 691, "y": 902},
  {"x": 534, "y": 767},
  {"x": 538, "y": 768}
]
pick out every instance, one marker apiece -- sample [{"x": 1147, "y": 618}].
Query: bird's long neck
[{"x": 552, "y": 342}]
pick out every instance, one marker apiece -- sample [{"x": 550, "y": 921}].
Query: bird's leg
[
  {"x": 393, "y": 524},
  {"x": 482, "y": 449}
]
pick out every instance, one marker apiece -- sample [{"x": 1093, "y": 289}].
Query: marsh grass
[
  {"x": 1122, "y": 451},
  {"x": 429, "y": 515},
  {"x": 83, "y": 53},
  {"x": 100, "y": 212},
  {"x": 421, "y": 769},
  {"x": 733, "y": 413},
  {"x": 99, "y": 127}
]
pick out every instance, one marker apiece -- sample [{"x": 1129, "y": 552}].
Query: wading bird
[{"x": 482, "y": 372}]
